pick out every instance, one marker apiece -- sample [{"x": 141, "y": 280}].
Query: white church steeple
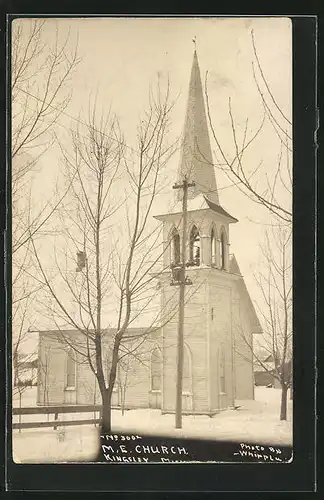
[
  {"x": 196, "y": 160},
  {"x": 207, "y": 221}
]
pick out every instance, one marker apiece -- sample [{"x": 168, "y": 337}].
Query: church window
[
  {"x": 194, "y": 247},
  {"x": 222, "y": 250},
  {"x": 212, "y": 313},
  {"x": 213, "y": 247},
  {"x": 70, "y": 370},
  {"x": 175, "y": 243},
  {"x": 156, "y": 365}
]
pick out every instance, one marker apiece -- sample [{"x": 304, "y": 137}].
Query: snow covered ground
[{"x": 255, "y": 421}]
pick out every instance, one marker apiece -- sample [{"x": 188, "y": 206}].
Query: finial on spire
[{"x": 194, "y": 42}]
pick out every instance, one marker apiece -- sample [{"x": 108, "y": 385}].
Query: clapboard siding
[{"x": 243, "y": 353}]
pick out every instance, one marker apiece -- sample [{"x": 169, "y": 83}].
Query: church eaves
[{"x": 196, "y": 161}]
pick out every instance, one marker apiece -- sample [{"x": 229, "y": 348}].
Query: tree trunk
[
  {"x": 106, "y": 413},
  {"x": 283, "y": 407}
]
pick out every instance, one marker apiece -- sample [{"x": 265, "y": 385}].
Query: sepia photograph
[{"x": 151, "y": 194}]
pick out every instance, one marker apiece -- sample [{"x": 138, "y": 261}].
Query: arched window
[
  {"x": 156, "y": 368},
  {"x": 194, "y": 247},
  {"x": 213, "y": 246},
  {"x": 186, "y": 378},
  {"x": 175, "y": 245},
  {"x": 70, "y": 369},
  {"x": 222, "y": 250}
]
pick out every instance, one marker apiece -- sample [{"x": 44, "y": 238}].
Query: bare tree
[
  {"x": 41, "y": 66},
  {"x": 100, "y": 171},
  {"x": 270, "y": 190},
  {"x": 40, "y": 72},
  {"x": 275, "y": 310}
]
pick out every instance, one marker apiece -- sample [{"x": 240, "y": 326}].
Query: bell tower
[{"x": 209, "y": 358}]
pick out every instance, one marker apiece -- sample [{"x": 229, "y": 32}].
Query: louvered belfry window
[{"x": 194, "y": 247}]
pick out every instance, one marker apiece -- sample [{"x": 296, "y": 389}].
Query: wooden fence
[{"x": 56, "y": 411}]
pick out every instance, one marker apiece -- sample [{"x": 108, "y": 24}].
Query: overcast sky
[{"x": 121, "y": 58}]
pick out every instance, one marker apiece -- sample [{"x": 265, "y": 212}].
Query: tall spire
[{"x": 196, "y": 160}]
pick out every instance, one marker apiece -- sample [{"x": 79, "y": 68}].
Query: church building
[{"x": 219, "y": 317}]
